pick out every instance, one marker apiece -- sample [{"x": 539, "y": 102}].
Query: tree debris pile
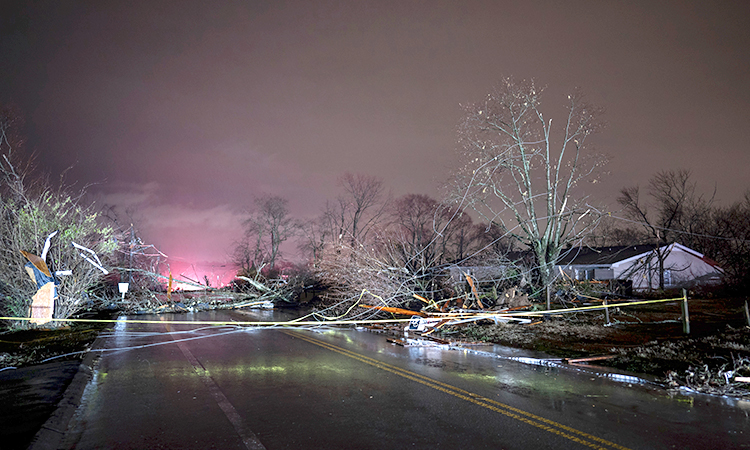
[
  {"x": 708, "y": 364},
  {"x": 251, "y": 294},
  {"x": 149, "y": 302}
]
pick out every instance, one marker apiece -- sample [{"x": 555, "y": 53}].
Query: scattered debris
[
  {"x": 418, "y": 323},
  {"x": 513, "y": 298},
  {"x": 393, "y": 310},
  {"x": 43, "y": 302},
  {"x": 588, "y": 359}
]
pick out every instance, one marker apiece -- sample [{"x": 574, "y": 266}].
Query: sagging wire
[
  {"x": 237, "y": 329},
  {"x": 159, "y": 333},
  {"x": 155, "y": 344},
  {"x": 367, "y": 314},
  {"x": 316, "y": 314}
]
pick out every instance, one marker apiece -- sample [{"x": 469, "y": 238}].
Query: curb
[{"x": 52, "y": 433}]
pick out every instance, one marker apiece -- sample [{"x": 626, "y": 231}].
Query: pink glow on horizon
[{"x": 186, "y": 274}]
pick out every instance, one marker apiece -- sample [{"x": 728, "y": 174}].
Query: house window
[
  {"x": 667, "y": 277},
  {"x": 584, "y": 274}
]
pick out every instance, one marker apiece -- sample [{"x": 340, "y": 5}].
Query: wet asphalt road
[{"x": 193, "y": 387}]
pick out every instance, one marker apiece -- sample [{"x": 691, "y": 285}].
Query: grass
[{"x": 19, "y": 348}]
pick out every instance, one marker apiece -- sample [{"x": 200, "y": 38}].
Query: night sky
[{"x": 187, "y": 110}]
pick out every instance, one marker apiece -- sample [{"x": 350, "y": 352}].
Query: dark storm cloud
[{"x": 189, "y": 109}]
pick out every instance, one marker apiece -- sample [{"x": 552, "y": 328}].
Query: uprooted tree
[
  {"x": 522, "y": 174},
  {"x": 30, "y": 210}
]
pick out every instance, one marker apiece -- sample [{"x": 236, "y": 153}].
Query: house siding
[{"x": 684, "y": 269}]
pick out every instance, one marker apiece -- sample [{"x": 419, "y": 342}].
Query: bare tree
[
  {"x": 313, "y": 235},
  {"x": 493, "y": 243},
  {"x": 672, "y": 209},
  {"x": 357, "y": 210},
  {"x": 467, "y": 240},
  {"x": 521, "y": 175},
  {"x": 612, "y": 232},
  {"x": 242, "y": 256},
  {"x": 728, "y": 241},
  {"x": 139, "y": 263},
  {"x": 418, "y": 223},
  {"x": 400, "y": 257},
  {"x": 266, "y": 229}
]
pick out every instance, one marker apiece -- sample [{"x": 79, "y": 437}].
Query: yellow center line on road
[{"x": 551, "y": 426}]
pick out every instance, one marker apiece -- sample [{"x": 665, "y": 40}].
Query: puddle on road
[{"x": 596, "y": 371}]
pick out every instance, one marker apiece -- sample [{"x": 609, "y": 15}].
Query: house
[
  {"x": 639, "y": 264},
  {"x": 512, "y": 272}
]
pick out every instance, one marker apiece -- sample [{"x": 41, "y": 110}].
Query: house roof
[
  {"x": 601, "y": 255},
  {"x": 593, "y": 256}
]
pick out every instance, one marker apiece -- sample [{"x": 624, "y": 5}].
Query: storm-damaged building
[{"x": 640, "y": 266}]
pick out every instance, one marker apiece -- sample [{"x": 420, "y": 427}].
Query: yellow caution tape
[
  {"x": 206, "y": 322},
  {"x": 298, "y": 322},
  {"x": 585, "y": 308}
]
